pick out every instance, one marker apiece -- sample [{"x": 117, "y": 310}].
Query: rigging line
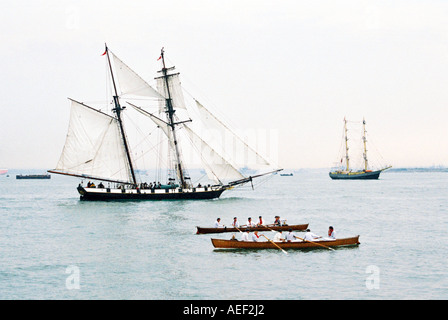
[
  {"x": 227, "y": 122},
  {"x": 140, "y": 131},
  {"x": 200, "y": 178},
  {"x": 230, "y": 164},
  {"x": 245, "y": 144}
]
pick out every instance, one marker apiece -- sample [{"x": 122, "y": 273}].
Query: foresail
[
  {"x": 93, "y": 146},
  {"x": 217, "y": 168},
  {"x": 131, "y": 83}
]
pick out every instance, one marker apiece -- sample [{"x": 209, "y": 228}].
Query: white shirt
[
  {"x": 255, "y": 238},
  {"x": 290, "y": 236},
  {"x": 251, "y": 224},
  {"x": 218, "y": 225},
  {"x": 278, "y": 237},
  {"x": 245, "y": 236},
  {"x": 310, "y": 236},
  {"x": 236, "y": 224},
  {"x": 332, "y": 235},
  {"x": 262, "y": 222}
]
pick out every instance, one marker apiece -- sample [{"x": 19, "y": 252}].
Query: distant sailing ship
[
  {"x": 97, "y": 146},
  {"x": 346, "y": 171}
]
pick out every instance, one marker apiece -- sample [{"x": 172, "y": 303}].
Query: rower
[
  {"x": 279, "y": 237},
  {"x": 218, "y": 223},
  {"x": 260, "y": 221},
  {"x": 277, "y": 221},
  {"x": 255, "y": 236},
  {"x": 235, "y": 223},
  {"x": 290, "y": 236},
  {"x": 250, "y": 224},
  {"x": 245, "y": 235},
  {"x": 310, "y": 236},
  {"x": 331, "y": 233}
]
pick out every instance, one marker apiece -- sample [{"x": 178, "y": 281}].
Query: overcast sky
[{"x": 294, "y": 68}]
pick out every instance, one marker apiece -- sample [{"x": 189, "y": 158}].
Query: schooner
[
  {"x": 97, "y": 146},
  {"x": 346, "y": 172}
]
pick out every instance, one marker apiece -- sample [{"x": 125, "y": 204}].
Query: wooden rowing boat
[
  {"x": 235, "y": 244},
  {"x": 296, "y": 227}
]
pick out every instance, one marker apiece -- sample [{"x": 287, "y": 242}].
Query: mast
[
  {"x": 170, "y": 112},
  {"x": 346, "y": 144},
  {"x": 365, "y": 144},
  {"x": 117, "y": 110}
]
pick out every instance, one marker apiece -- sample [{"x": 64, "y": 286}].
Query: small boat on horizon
[
  {"x": 286, "y": 174},
  {"x": 33, "y": 176},
  {"x": 346, "y": 172}
]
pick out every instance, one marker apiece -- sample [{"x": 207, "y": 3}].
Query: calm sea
[{"x": 53, "y": 246}]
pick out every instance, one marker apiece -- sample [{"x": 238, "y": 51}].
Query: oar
[
  {"x": 238, "y": 229},
  {"x": 275, "y": 244},
  {"x": 269, "y": 228},
  {"x": 315, "y": 243}
]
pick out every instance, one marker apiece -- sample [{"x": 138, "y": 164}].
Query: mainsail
[{"x": 93, "y": 147}]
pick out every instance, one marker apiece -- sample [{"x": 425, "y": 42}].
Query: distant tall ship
[
  {"x": 97, "y": 146},
  {"x": 345, "y": 171}
]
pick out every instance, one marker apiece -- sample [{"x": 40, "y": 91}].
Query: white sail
[
  {"x": 165, "y": 127},
  {"x": 94, "y": 147},
  {"x": 217, "y": 168},
  {"x": 213, "y": 122},
  {"x": 131, "y": 83},
  {"x": 175, "y": 88}
]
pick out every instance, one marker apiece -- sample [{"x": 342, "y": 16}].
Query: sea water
[{"x": 54, "y": 246}]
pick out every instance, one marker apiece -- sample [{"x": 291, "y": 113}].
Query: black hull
[
  {"x": 355, "y": 175},
  {"x": 33, "y": 176},
  {"x": 146, "y": 195}
]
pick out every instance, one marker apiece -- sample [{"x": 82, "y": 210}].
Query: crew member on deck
[
  {"x": 331, "y": 233},
  {"x": 218, "y": 223},
  {"x": 235, "y": 223}
]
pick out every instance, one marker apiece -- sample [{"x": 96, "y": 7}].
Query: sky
[{"x": 292, "y": 69}]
